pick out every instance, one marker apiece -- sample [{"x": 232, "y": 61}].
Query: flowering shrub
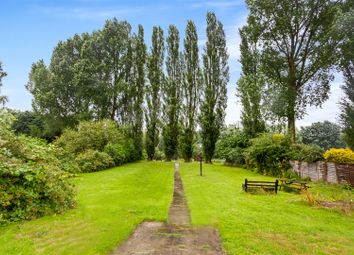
[{"x": 342, "y": 156}]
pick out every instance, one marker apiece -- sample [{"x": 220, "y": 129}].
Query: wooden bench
[
  {"x": 294, "y": 184},
  {"x": 265, "y": 185}
]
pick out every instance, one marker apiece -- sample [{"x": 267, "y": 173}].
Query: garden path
[{"x": 177, "y": 237}]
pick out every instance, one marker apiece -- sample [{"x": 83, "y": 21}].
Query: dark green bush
[
  {"x": 94, "y": 135},
  {"x": 268, "y": 153},
  {"x": 93, "y": 161},
  {"x": 92, "y": 142},
  {"x": 121, "y": 153},
  {"x": 231, "y": 147},
  {"x": 32, "y": 180},
  {"x": 304, "y": 152}
]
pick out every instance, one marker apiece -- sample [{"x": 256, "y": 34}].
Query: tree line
[
  {"x": 110, "y": 73},
  {"x": 289, "y": 52}
]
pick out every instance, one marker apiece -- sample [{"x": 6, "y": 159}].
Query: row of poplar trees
[{"x": 165, "y": 91}]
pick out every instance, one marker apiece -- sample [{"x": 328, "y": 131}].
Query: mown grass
[
  {"x": 265, "y": 223},
  {"x": 111, "y": 204}
]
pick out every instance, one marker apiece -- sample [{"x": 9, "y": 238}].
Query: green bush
[
  {"x": 32, "y": 180},
  {"x": 91, "y": 139},
  {"x": 121, "y": 153},
  {"x": 304, "y": 152},
  {"x": 93, "y": 161},
  {"x": 231, "y": 147},
  {"x": 94, "y": 135},
  {"x": 268, "y": 153}
]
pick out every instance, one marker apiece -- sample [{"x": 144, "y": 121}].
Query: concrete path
[{"x": 175, "y": 238}]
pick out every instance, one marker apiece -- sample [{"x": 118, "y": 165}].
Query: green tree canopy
[
  {"x": 297, "y": 49},
  {"x": 324, "y": 134}
]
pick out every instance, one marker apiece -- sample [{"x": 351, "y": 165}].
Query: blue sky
[{"x": 30, "y": 29}]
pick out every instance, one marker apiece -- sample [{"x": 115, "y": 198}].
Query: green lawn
[
  {"x": 264, "y": 223},
  {"x": 110, "y": 205}
]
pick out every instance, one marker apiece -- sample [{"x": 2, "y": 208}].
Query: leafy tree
[
  {"x": 172, "y": 94},
  {"x": 88, "y": 77},
  {"x": 216, "y": 77},
  {"x": 192, "y": 84},
  {"x": 252, "y": 82},
  {"x": 153, "y": 91},
  {"x": 345, "y": 29},
  {"x": 3, "y": 99},
  {"x": 297, "y": 53},
  {"x": 324, "y": 134},
  {"x": 139, "y": 61},
  {"x": 28, "y": 123}
]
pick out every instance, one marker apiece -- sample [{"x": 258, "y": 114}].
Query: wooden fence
[{"x": 326, "y": 171}]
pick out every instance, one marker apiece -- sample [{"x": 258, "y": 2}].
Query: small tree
[
  {"x": 216, "y": 77},
  {"x": 324, "y": 134}
]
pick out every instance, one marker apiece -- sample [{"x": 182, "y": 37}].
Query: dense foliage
[
  {"x": 231, "y": 147},
  {"x": 33, "y": 181},
  {"x": 324, "y": 134},
  {"x": 97, "y": 145},
  {"x": 343, "y": 156},
  {"x": 270, "y": 154}
]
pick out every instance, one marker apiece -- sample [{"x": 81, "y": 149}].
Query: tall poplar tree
[
  {"x": 172, "y": 94},
  {"x": 3, "y": 99},
  {"x": 251, "y": 83},
  {"x": 216, "y": 77},
  {"x": 192, "y": 83},
  {"x": 139, "y": 61},
  {"x": 297, "y": 53},
  {"x": 153, "y": 91},
  {"x": 346, "y": 52}
]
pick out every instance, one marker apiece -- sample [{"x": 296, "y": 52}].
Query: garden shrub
[
  {"x": 92, "y": 142},
  {"x": 32, "y": 180},
  {"x": 231, "y": 147},
  {"x": 268, "y": 153},
  {"x": 341, "y": 156},
  {"x": 94, "y": 135},
  {"x": 304, "y": 152},
  {"x": 93, "y": 161},
  {"x": 121, "y": 153}
]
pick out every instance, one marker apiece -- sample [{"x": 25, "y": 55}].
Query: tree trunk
[{"x": 291, "y": 127}]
